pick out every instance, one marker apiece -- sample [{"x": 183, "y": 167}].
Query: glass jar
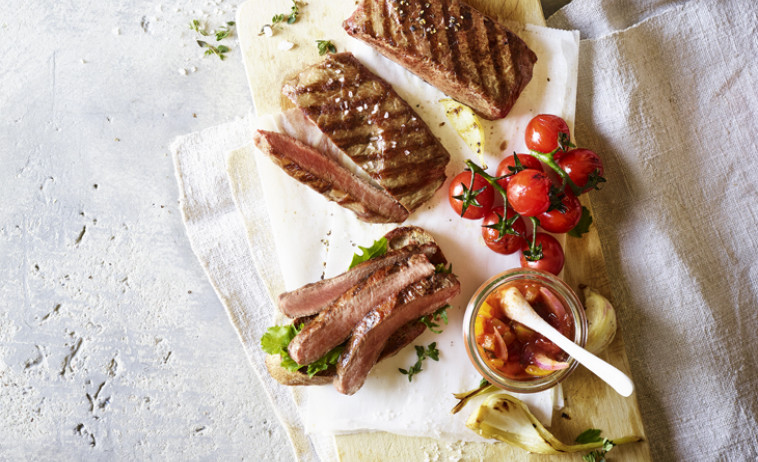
[{"x": 561, "y": 290}]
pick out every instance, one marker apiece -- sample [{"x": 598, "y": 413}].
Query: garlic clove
[{"x": 601, "y": 320}]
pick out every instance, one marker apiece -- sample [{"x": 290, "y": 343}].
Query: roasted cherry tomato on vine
[
  {"x": 529, "y": 192},
  {"x": 545, "y": 132},
  {"x": 508, "y": 166},
  {"x": 493, "y": 228},
  {"x": 552, "y": 255},
  {"x": 583, "y": 166},
  {"x": 564, "y": 219},
  {"x": 471, "y": 201}
]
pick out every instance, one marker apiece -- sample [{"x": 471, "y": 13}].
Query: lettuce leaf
[{"x": 377, "y": 249}]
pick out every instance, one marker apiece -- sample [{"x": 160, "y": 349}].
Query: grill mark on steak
[
  {"x": 312, "y": 298},
  {"x": 333, "y": 181},
  {"x": 373, "y": 331},
  {"x": 334, "y": 324},
  {"x": 361, "y": 129},
  {"x": 476, "y": 61}
]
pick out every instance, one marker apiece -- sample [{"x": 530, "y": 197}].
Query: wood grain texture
[{"x": 589, "y": 402}]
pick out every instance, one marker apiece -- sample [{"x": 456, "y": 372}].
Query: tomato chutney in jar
[{"x": 509, "y": 354}]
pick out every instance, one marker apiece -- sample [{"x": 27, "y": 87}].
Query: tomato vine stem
[{"x": 549, "y": 160}]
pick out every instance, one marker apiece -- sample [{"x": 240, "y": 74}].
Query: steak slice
[
  {"x": 371, "y": 334},
  {"x": 312, "y": 168},
  {"x": 313, "y": 297},
  {"x": 467, "y": 55},
  {"x": 334, "y": 324},
  {"x": 372, "y": 125}
]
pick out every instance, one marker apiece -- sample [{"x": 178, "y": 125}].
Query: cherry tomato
[
  {"x": 508, "y": 166},
  {"x": 552, "y": 255},
  {"x": 508, "y": 243},
  {"x": 580, "y": 165},
  {"x": 543, "y": 133},
  {"x": 556, "y": 221},
  {"x": 461, "y": 191},
  {"x": 529, "y": 192}
]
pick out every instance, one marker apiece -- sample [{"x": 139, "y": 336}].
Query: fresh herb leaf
[
  {"x": 422, "y": 353},
  {"x": 325, "y": 46},
  {"x": 598, "y": 455},
  {"x": 197, "y": 27},
  {"x": 584, "y": 224},
  {"x": 214, "y": 50},
  {"x": 431, "y": 321},
  {"x": 484, "y": 383},
  {"x": 377, "y": 249},
  {"x": 280, "y": 18},
  {"x": 432, "y": 352},
  {"x": 591, "y": 435},
  {"x": 225, "y": 31},
  {"x": 440, "y": 268}
]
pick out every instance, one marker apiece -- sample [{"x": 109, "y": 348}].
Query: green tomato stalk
[{"x": 534, "y": 252}]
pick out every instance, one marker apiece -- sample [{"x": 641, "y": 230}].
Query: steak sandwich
[
  {"x": 353, "y": 139},
  {"x": 457, "y": 49},
  {"x": 368, "y": 313}
]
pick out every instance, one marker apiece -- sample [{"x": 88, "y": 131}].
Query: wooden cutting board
[{"x": 589, "y": 402}]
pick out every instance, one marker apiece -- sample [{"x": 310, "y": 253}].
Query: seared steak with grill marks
[
  {"x": 370, "y": 335},
  {"x": 334, "y": 324},
  {"x": 312, "y": 168},
  {"x": 314, "y": 297},
  {"x": 451, "y": 45},
  {"x": 369, "y": 122}
]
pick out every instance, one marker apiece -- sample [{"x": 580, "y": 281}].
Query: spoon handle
[{"x": 608, "y": 373}]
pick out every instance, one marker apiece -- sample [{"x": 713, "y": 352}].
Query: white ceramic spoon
[{"x": 518, "y": 309}]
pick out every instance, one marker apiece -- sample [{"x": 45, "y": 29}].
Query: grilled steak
[
  {"x": 334, "y": 324},
  {"x": 314, "y": 297},
  {"x": 370, "y": 335},
  {"x": 335, "y": 182},
  {"x": 372, "y": 125},
  {"x": 451, "y": 45}
]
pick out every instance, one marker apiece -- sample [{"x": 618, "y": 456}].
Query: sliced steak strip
[
  {"x": 334, "y": 324},
  {"x": 314, "y": 297},
  {"x": 370, "y": 335},
  {"x": 333, "y": 181},
  {"x": 372, "y": 125},
  {"x": 451, "y": 45}
]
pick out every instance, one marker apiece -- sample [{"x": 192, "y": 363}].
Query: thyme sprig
[
  {"x": 281, "y": 18},
  {"x": 422, "y": 353},
  {"x": 325, "y": 46}
]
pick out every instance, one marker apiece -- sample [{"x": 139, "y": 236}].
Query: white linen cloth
[{"x": 670, "y": 104}]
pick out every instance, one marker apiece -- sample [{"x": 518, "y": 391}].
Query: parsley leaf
[
  {"x": 377, "y": 249},
  {"x": 584, "y": 224},
  {"x": 591, "y": 435},
  {"x": 431, "y": 321},
  {"x": 325, "y": 46}
]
